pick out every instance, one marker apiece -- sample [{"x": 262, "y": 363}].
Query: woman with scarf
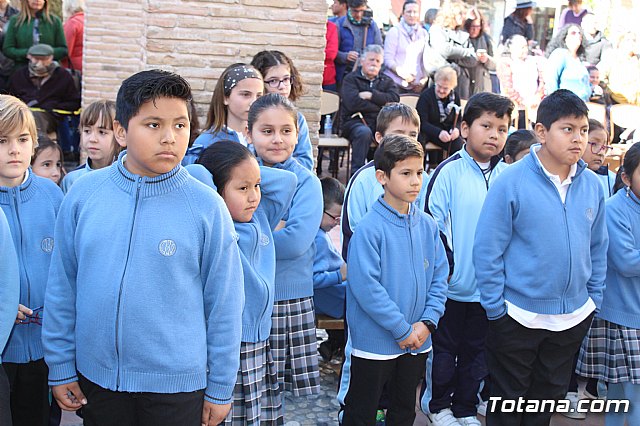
[
  {"x": 403, "y": 48},
  {"x": 33, "y": 25}
]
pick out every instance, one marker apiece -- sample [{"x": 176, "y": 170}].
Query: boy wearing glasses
[
  {"x": 540, "y": 258},
  {"x": 144, "y": 303},
  {"x": 329, "y": 270},
  {"x": 597, "y": 149}
]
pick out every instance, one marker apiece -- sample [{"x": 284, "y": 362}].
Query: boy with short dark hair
[
  {"x": 396, "y": 292},
  {"x": 540, "y": 260},
  {"x": 144, "y": 300},
  {"x": 455, "y": 195}
]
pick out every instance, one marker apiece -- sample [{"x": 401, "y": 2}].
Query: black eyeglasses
[
  {"x": 275, "y": 83},
  {"x": 336, "y": 218},
  {"x": 597, "y": 148}
]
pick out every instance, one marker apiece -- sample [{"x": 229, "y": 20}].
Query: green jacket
[{"x": 19, "y": 38}]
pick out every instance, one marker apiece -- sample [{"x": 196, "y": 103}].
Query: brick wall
[{"x": 198, "y": 39}]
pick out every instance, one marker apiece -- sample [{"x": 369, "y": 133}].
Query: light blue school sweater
[
  {"x": 362, "y": 191},
  {"x": 9, "y": 282},
  {"x": 397, "y": 276},
  {"x": 295, "y": 247},
  {"x": 257, "y": 250},
  {"x": 31, "y": 210},
  {"x": 621, "y": 303},
  {"x": 455, "y": 195},
  {"x": 74, "y": 175},
  {"x": 145, "y": 292},
  {"x": 607, "y": 180},
  {"x": 303, "y": 151},
  {"x": 328, "y": 287},
  {"x": 542, "y": 255}
]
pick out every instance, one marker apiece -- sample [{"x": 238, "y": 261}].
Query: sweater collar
[
  {"x": 631, "y": 199},
  {"x": 26, "y": 189},
  {"x": 391, "y": 215},
  {"x": 465, "y": 154},
  {"x": 149, "y": 186},
  {"x": 533, "y": 162}
]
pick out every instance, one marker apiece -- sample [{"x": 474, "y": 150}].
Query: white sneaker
[
  {"x": 444, "y": 418},
  {"x": 482, "y": 408},
  {"x": 573, "y": 406},
  {"x": 469, "y": 421}
]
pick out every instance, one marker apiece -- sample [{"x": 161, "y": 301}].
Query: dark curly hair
[{"x": 559, "y": 41}]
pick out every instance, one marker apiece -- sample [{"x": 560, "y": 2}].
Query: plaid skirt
[
  {"x": 610, "y": 352},
  {"x": 294, "y": 346},
  {"x": 257, "y": 399}
]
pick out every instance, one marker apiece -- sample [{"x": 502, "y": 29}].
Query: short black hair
[
  {"x": 631, "y": 160},
  {"x": 394, "y": 148},
  {"x": 147, "y": 86},
  {"x": 519, "y": 141},
  {"x": 332, "y": 191},
  {"x": 221, "y": 158},
  {"x": 356, "y": 3},
  {"x": 559, "y": 104},
  {"x": 483, "y": 102}
]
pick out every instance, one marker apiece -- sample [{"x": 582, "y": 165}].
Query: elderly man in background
[{"x": 364, "y": 92}]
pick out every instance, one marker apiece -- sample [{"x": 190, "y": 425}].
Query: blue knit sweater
[
  {"x": 31, "y": 210},
  {"x": 257, "y": 250},
  {"x": 145, "y": 291},
  {"x": 9, "y": 282},
  {"x": 621, "y": 304},
  {"x": 74, "y": 175},
  {"x": 542, "y": 255},
  {"x": 397, "y": 276}
]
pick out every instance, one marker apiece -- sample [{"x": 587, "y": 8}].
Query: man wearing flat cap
[{"x": 45, "y": 87}]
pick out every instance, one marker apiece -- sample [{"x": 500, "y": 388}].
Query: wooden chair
[
  {"x": 328, "y": 323},
  {"x": 598, "y": 112},
  {"x": 409, "y": 99},
  {"x": 329, "y": 104}
]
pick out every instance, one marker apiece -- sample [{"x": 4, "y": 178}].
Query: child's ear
[
  {"x": 120, "y": 133},
  {"x": 381, "y": 177},
  {"x": 464, "y": 129},
  {"x": 378, "y": 137},
  {"x": 541, "y": 132},
  {"x": 625, "y": 179},
  {"x": 247, "y": 135}
]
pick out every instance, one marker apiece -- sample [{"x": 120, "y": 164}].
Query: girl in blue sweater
[
  {"x": 237, "y": 88},
  {"x": 611, "y": 350},
  {"x": 257, "y": 198},
  {"x": 272, "y": 129}
]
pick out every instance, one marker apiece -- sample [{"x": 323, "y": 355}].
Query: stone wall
[{"x": 198, "y": 39}]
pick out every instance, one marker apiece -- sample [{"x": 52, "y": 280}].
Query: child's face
[
  {"x": 157, "y": 137},
  {"x": 15, "y": 157},
  {"x": 595, "y": 152},
  {"x": 444, "y": 88},
  {"x": 273, "y": 136},
  {"x": 594, "y": 77},
  {"x": 564, "y": 143},
  {"x": 400, "y": 126},
  {"x": 48, "y": 165},
  {"x": 486, "y": 136},
  {"x": 331, "y": 217},
  {"x": 277, "y": 79},
  {"x": 402, "y": 185},
  {"x": 242, "y": 191},
  {"x": 242, "y": 96},
  {"x": 98, "y": 141}
]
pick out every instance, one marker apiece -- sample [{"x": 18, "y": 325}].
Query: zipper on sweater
[
  {"x": 566, "y": 224},
  {"x": 413, "y": 269},
  {"x": 22, "y": 263},
  {"x": 124, "y": 274},
  {"x": 256, "y": 247},
  {"x": 487, "y": 178}
]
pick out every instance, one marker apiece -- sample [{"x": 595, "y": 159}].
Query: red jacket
[
  {"x": 73, "y": 32},
  {"x": 330, "y": 53}
]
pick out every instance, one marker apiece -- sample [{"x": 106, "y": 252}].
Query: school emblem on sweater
[
  {"x": 426, "y": 264},
  {"x": 47, "y": 245},
  {"x": 167, "y": 248},
  {"x": 264, "y": 240},
  {"x": 589, "y": 214}
]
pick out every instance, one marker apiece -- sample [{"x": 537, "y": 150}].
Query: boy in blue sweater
[
  {"x": 329, "y": 269},
  {"x": 455, "y": 196},
  {"x": 145, "y": 293},
  {"x": 396, "y": 292},
  {"x": 30, "y": 204},
  {"x": 540, "y": 256}
]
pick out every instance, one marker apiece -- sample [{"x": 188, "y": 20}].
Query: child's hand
[
  {"x": 343, "y": 271},
  {"x": 422, "y": 331},
  {"x": 280, "y": 226},
  {"x": 444, "y": 136},
  {"x": 23, "y": 311},
  {"x": 69, "y": 396},
  {"x": 412, "y": 342},
  {"x": 455, "y": 134},
  {"x": 214, "y": 414}
]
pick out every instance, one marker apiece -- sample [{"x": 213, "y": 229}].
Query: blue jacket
[
  {"x": 348, "y": 36},
  {"x": 302, "y": 152},
  {"x": 74, "y": 175},
  {"x": 363, "y": 190},
  {"x": 295, "y": 247},
  {"x": 397, "y": 276},
  {"x": 145, "y": 290},
  {"x": 564, "y": 72},
  {"x": 607, "y": 180},
  {"x": 327, "y": 262},
  {"x": 455, "y": 195},
  {"x": 9, "y": 282},
  {"x": 621, "y": 303},
  {"x": 257, "y": 251},
  {"x": 31, "y": 210},
  {"x": 531, "y": 249}
]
